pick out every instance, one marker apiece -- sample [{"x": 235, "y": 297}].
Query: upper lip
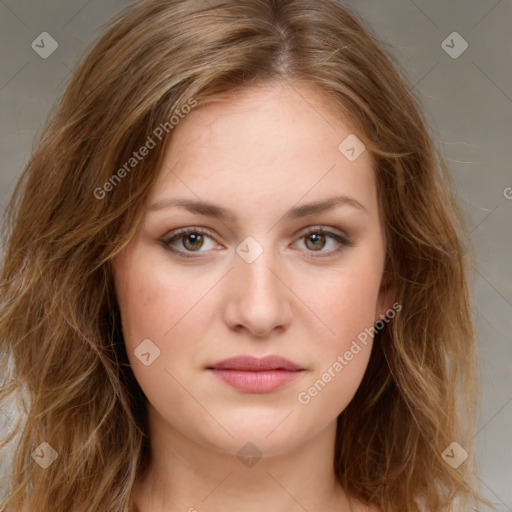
[{"x": 252, "y": 363}]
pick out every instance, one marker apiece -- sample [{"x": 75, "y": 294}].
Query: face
[{"x": 266, "y": 279}]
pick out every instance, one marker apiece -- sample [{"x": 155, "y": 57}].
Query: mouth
[{"x": 256, "y": 375}]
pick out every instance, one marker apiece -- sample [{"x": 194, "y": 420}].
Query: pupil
[
  {"x": 196, "y": 240},
  {"x": 318, "y": 238}
]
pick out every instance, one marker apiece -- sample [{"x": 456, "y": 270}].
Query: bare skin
[{"x": 265, "y": 151}]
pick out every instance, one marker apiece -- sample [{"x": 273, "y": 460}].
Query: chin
[
  {"x": 249, "y": 446},
  {"x": 273, "y": 435}
]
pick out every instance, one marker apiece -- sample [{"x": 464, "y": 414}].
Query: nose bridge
[
  {"x": 256, "y": 259},
  {"x": 258, "y": 297}
]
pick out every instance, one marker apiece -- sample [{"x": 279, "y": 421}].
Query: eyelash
[{"x": 180, "y": 233}]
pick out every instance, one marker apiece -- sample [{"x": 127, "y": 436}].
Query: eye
[
  {"x": 193, "y": 239},
  {"x": 316, "y": 240}
]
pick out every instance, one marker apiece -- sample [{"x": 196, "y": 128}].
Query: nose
[{"x": 258, "y": 296}]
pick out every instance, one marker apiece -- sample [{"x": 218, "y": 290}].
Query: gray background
[{"x": 468, "y": 101}]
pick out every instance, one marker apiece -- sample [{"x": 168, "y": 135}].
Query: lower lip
[{"x": 256, "y": 381}]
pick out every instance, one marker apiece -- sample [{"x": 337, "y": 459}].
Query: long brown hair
[{"x": 73, "y": 210}]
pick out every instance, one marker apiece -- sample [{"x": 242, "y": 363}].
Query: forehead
[{"x": 264, "y": 145}]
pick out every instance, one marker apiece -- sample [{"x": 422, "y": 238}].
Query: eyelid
[{"x": 324, "y": 229}]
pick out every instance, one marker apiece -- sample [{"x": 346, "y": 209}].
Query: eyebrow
[{"x": 297, "y": 212}]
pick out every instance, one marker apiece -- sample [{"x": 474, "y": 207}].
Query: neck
[{"x": 186, "y": 475}]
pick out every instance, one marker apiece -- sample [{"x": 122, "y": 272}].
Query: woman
[{"x": 189, "y": 332}]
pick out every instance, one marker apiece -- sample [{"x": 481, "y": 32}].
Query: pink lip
[{"x": 256, "y": 375}]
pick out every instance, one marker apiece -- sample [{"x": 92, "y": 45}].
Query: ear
[{"x": 386, "y": 296}]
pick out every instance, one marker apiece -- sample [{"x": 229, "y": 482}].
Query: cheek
[
  {"x": 151, "y": 298},
  {"x": 347, "y": 308},
  {"x": 148, "y": 302},
  {"x": 347, "y": 303},
  {"x": 163, "y": 306},
  {"x": 142, "y": 306}
]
